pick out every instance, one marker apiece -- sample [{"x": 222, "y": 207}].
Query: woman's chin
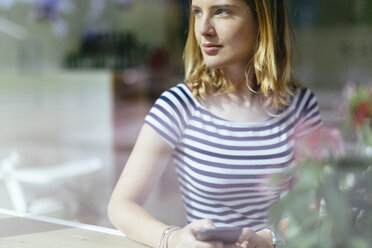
[{"x": 212, "y": 65}]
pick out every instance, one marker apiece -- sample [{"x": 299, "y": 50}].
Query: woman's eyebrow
[
  {"x": 217, "y": 6},
  {"x": 224, "y": 6}
]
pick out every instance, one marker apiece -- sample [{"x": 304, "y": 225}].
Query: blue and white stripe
[{"x": 224, "y": 167}]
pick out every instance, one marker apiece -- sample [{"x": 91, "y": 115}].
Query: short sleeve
[
  {"x": 169, "y": 114},
  {"x": 308, "y": 116}
]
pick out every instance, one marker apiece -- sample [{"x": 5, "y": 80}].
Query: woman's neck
[
  {"x": 236, "y": 77},
  {"x": 236, "y": 106},
  {"x": 242, "y": 104}
]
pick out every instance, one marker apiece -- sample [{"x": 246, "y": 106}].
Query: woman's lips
[{"x": 210, "y": 48}]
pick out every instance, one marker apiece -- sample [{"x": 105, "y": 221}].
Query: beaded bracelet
[{"x": 163, "y": 242}]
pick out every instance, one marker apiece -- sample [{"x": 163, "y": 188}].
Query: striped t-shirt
[{"x": 223, "y": 166}]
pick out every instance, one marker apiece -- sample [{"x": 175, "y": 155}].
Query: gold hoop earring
[{"x": 247, "y": 71}]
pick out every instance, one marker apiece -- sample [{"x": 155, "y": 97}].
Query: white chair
[{"x": 13, "y": 178}]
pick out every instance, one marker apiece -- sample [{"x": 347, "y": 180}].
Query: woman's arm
[{"x": 145, "y": 165}]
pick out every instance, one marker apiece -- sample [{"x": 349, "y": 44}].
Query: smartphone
[{"x": 227, "y": 235}]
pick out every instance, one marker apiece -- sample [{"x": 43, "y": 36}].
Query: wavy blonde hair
[{"x": 271, "y": 59}]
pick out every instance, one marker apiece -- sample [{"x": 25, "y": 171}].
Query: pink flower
[
  {"x": 362, "y": 114},
  {"x": 320, "y": 145},
  {"x": 359, "y": 102}
]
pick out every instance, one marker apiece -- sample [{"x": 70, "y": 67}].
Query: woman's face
[{"x": 225, "y": 31}]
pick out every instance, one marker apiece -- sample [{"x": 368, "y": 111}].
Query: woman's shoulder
[
  {"x": 180, "y": 89},
  {"x": 303, "y": 93},
  {"x": 305, "y": 103},
  {"x": 300, "y": 98},
  {"x": 296, "y": 88},
  {"x": 178, "y": 96}
]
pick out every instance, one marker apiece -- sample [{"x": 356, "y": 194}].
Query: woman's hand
[
  {"x": 186, "y": 237},
  {"x": 250, "y": 239}
]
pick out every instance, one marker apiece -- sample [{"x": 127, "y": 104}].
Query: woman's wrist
[
  {"x": 174, "y": 238},
  {"x": 165, "y": 236},
  {"x": 265, "y": 235},
  {"x": 277, "y": 239}
]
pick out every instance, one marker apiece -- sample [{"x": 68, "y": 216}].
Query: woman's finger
[
  {"x": 201, "y": 224},
  {"x": 188, "y": 238},
  {"x": 247, "y": 234},
  {"x": 244, "y": 244}
]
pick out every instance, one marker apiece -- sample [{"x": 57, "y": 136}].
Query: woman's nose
[{"x": 207, "y": 28}]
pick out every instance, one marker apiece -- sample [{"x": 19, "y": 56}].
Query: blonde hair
[{"x": 271, "y": 59}]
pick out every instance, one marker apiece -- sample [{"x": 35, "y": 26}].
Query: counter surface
[{"x": 19, "y": 230}]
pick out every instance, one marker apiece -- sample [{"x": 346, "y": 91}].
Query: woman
[{"x": 228, "y": 128}]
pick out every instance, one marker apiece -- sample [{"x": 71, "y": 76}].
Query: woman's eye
[
  {"x": 196, "y": 12},
  {"x": 223, "y": 12}
]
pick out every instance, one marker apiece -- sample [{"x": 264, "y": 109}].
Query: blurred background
[{"x": 78, "y": 77}]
